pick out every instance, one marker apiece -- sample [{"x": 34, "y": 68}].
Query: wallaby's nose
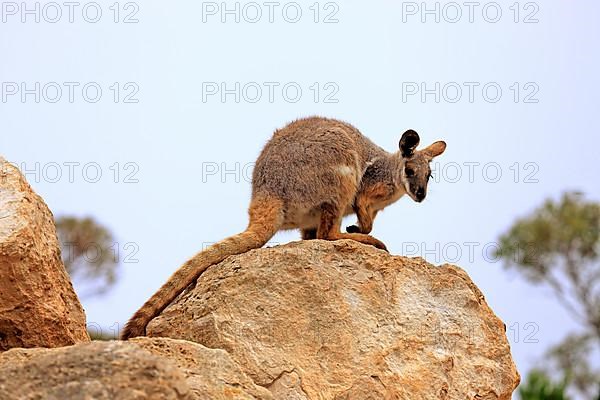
[{"x": 420, "y": 194}]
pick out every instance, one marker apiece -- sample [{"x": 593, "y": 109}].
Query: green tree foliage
[
  {"x": 540, "y": 387},
  {"x": 558, "y": 246},
  {"x": 88, "y": 253}
]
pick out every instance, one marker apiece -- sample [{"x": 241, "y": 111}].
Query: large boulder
[
  {"x": 341, "y": 320},
  {"x": 38, "y": 306},
  {"x": 144, "y": 368}
]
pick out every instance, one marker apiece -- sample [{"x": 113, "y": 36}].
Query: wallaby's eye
[{"x": 409, "y": 172}]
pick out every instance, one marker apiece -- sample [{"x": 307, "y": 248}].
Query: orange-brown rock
[
  {"x": 341, "y": 320},
  {"x": 38, "y": 306},
  {"x": 144, "y": 368}
]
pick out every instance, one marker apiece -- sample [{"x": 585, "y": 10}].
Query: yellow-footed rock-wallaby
[{"x": 312, "y": 172}]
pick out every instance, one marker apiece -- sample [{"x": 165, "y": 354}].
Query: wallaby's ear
[
  {"x": 435, "y": 149},
  {"x": 408, "y": 143}
]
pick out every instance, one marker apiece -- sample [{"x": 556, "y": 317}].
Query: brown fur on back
[{"x": 307, "y": 162}]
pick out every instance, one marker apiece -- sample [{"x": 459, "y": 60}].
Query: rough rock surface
[
  {"x": 38, "y": 306},
  {"x": 140, "y": 369},
  {"x": 341, "y": 320}
]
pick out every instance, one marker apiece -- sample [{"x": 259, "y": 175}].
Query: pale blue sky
[{"x": 368, "y": 57}]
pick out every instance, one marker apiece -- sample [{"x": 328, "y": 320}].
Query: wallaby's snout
[
  {"x": 416, "y": 171},
  {"x": 420, "y": 194}
]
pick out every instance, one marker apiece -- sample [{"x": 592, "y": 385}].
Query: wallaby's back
[{"x": 308, "y": 161}]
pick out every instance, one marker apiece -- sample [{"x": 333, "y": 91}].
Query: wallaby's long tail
[{"x": 265, "y": 220}]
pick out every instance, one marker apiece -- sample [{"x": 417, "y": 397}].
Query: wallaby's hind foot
[
  {"x": 360, "y": 237},
  {"x": 329, "y": 228}
]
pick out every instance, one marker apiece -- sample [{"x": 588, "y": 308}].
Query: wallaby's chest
[
  {"x": 382, "y": 202},
  {"x": 379, "y": 195}
]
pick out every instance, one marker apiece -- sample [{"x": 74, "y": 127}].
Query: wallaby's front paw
[{"x": 353, "y": 229}]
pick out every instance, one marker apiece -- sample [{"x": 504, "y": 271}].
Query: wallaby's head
[{"x": 416, "y": 171}]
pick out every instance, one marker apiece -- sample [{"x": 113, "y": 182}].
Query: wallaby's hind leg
[
  {"x": 308, "y": 234},
  {"x": 329, "y": 228}
]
